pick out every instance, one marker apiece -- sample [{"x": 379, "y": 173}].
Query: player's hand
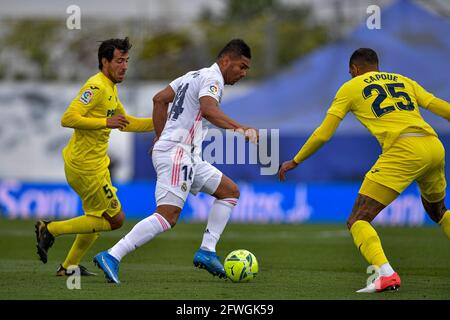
[
  {"x": 285, "y": 167},
  {"x": 117, "y": 122},
  {"x": 250, "y": 134}
]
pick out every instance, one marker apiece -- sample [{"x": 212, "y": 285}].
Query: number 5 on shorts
[{"x": 108, "y": 191}]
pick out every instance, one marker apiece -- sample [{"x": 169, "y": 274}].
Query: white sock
[
  {"x": 142, "y": 232},
  {"x": 217, "y": 220},
  {"x": 386, "y": 270}
]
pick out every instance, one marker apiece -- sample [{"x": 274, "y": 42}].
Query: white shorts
[{"x": 179, "y": 172}]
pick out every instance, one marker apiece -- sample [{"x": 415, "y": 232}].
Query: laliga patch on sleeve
[
  {"x": 214, "y": 89},
  {"x": 86, "y": 96}
]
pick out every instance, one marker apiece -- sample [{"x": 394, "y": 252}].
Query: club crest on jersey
[
  {"x": 114, "y": 204},
  {"x": 184, "y": 187},
  {"x": 86, "y": 96},
  {"x": 214, "y": 89}
]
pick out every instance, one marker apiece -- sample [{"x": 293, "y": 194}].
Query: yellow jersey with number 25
[{"x": 387, "y": 104}]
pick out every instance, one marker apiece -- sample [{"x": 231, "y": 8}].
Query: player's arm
[
  {"x": 75, "y": 115},
  {"x": 319, "y": 137},
  {"x": 210, "y": 110},
  {"x": 428, "y": 101},
  {"x": 160, "y": 105},
  {"x": 440, "y": 107},
  {"x": 135, "y": 124},
  {"x": 339, "y": 108}
]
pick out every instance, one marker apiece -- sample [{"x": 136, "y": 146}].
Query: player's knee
[
  {"x": 435, "y": 210},
  {"x": 352, "y": 219},
  {"x": 350, "y": 222},
  {"x": 169, "y": 213},
  {"x": 232, "y": 191},
  {"x": 172, "y": 219},
  {"x": 117, "y": 221}
]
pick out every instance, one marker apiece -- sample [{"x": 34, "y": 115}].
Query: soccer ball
[{"x": 241, "y": 266}]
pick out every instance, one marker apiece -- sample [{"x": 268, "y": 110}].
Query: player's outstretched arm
[
  {"x": 138, "y": 124},
  {"x": 211, "y": 112},
  {"x": 440, "y": 107},
  {"x": 160, "y": 105},
  {"x": 134, "y": 124},
  {"x": 319, "y": 137}
]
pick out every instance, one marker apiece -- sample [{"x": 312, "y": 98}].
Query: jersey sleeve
[
  {"x": 423, "y": 97},
  {"x": 88, "y": 97},
  {"x": 321, "y": 135},
  {"x": 211, "y": 87},
  {"x": 175, "y": 84},
  {"x": 74, "y": 117},
  {"x": 135, "y": 124},
  {"x": 342, "y": 102}
]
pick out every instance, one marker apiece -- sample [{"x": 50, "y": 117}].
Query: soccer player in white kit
[{"x": 177, "y": 161}]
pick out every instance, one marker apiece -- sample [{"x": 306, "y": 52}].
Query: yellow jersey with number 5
[{"x": 387, "y": 104}]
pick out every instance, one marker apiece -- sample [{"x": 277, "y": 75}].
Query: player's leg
[
  {"x": 432, "y": 186},
  {"x": 372, "y": 199},
  {"x": 438, "y": 212},
  {"x": 405, "y": 161},
  {"x": 82, "y": 243},
  {"x": 210, "y": 180},
  {"x": 163, "y": 219},
  {"x": 227, "y": 195},
  {"x": 79, "y": 247},
  {"x": 170, "y": 194},
  {"x": 102, "y": 213},
  {"x": 101, "y": 205}
]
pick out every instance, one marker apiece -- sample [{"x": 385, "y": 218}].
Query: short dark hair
[
  {"x": 364, "y": 56},
  {"x": 107, "y": 47},
  {"x": 236, "y": 48}
]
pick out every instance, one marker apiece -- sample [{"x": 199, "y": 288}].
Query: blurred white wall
[{"x": 31, "y": 137}]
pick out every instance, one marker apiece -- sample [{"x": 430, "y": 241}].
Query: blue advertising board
[{"x": 259, "y": 203}]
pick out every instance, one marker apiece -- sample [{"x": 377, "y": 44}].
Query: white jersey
[{"x": 184, "y": 126}]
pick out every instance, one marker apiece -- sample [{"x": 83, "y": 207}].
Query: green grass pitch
[{"x": 296, "y": 262}]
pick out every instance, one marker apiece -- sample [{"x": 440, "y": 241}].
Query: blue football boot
[
  {"x": 109, "y": 265},
  {"x": 210, "y": 261}
]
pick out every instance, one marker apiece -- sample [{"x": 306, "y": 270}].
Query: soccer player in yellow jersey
[
  {"x": 93, "y": 113},
  {"x": 387, "y": 104}
]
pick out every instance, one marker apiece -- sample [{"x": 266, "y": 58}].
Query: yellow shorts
[
  {"x": 96, "y": 191},
  {"x": 412, "y": 158}
]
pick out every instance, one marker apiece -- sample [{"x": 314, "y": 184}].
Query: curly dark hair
[{"x": 107, "y": 47}]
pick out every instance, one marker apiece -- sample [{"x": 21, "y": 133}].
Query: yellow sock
[
  {"x": 83, "y": 224},
  {"x": 445, "y": 223},
  {"x": 80, "y": 246},
  {"x": 367, "y": 241}
]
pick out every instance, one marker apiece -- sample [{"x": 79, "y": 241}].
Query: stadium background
[
  {"x": 300, "y": 51},
  {"x": 296, "y": 229}
]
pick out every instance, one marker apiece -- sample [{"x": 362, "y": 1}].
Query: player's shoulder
[
  {"x": 212, "y": 73},
  {"x": 348, "y": 86},
  {"x": 92, "y": 89},
  {"x": 95, "y": 83},
  {"x": 403, "y": 78}
]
